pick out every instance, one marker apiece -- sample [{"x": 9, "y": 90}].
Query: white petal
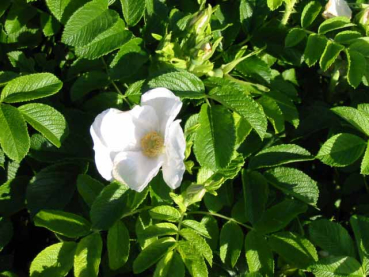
[
  {"x": 122, "y": 131},
  {"x": 103, "y": 158},
  {"x": 135, "y": 170},
  {"x": 145, "y": 120},
  {"x": 165, "y": 103},
  {"x": 337, "y": 8},
  {"x": 175, "y": 146},
  {"x": 115, "y": 130}
]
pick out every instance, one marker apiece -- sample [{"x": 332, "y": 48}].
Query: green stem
[
  {"x": 289, "y": 8},
  {"x": 114, "y": 84},
  {"x": 224, "y": 217},
  {"x": 366, "y": 184},
  {"x": 179, "y": 226},
  {"x": 136, "y": 211}
]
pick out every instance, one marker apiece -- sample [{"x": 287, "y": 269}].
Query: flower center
[{"x": 152, "y": 144}]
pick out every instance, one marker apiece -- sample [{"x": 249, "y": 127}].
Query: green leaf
[
  {"x": 13, "y": 195},
  {"x": 279, "y": 216},
  {"x": 103, "y": 101},
  {"x": 231, "y": 241},
  {"x": 6, "y": 76},
  {"x": 295, "y": 183},
  {"x": 258, "y": 254},
  {"x": 254, "y": 67},
  {"x": 253, "y": 274},
  {"x": 314, "y": 49},
  {"x": 294, "y": 248},
  {"x": 30, "y": 87},
  {"x": 88, "y": 188},
  {"x": 361, "y": 45},
  {"x": 6, "y": 232},
  {"x": 133, "y": 10},
  {"x": 199, "y": 243},
  {"x": 274, "y": 4},
  {"x": 50, "y": 26},
  {"x": 165, "y": 213},
  {"x": 12, "y": 169},
  {"x": 57, "y": 184},
  {"x": 364, "y": 169},
  {"x": 211, "y": 226},
  {"x": 63, "y": 9},
  {"x": 88, "y": 22},
  {"x": 108, "y": 207},
  {"x": 363, "y": 108},
  {"x": 46, "y": 120},
  {"x": 184, "y": 84},
  {"x": 341, "y": 150},
  {"x": 18, "y": 16},
  {"x": 133, "y": 92},
  {"x": 294, "y": 37},
  {"x": 129, "y": 59},
  {"x": 357, "y": 118},
  {"x": 279, "y": 155},
  {"x": 356, "y": 67},
  {"x": 330, "y": 54},
  {"x": 273, "y": 112},
  {"x": 193, "y": 260},
  {"x": 334, "y": 23},
  {"x": 118, "y": 245},
  {"x": 152, "y": 254},
  {"x": 255, "y": 193},
  {"x": 215, "y": 138},
  {"x": 219, "y": 177},
  {"x": 331, "y": 237},
  {"x": 360, "y": 226},
  {"x": 171, "y": 265},
  {"x": 55, "y": 260},
  {"x": 88, "y": 82},
  {"x": 63, "y": 223},
  {"x": 337, "y": 267},
  {"x": 246, "y": 12},
  {"x": 286, "y": 105},
  {"x": 197, "y": 227},
  {"x": 19, "y": 60},
  {"x": 310, "y": 13},
  {"x": 243, "y": 129},
  {"x": 2, "y": 158},
  {"x": 105, "y": 42},
  {"x": 88, "y": 256},
  {"x": 347, "y": 37},
  {"x": 159, "y": 229},
  {"x": 14, "y": 138},
  {"x": 244, "y": 105},
  {"x": 4, "y": 5}
]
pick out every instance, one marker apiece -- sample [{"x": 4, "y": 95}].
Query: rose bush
[{"x": 184, "y": 138}]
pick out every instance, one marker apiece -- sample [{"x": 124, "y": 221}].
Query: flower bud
[
  {"x": 337, "y": 8},
  {"x": 201, "y": 21},
  {"x": 363, "y": 17}
]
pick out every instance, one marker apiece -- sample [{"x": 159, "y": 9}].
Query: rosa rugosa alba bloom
[
  {"x": 132, "y": 146},
  {"x": 337, "y": 8}
]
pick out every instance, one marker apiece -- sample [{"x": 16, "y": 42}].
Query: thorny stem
[
  {"x": 224, "y": 217},
  {"x": 289, "y": 8},
  {"x": 114, "y": 84}
]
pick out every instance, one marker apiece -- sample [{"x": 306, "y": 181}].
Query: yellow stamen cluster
[{"x": 152, "y": 144}]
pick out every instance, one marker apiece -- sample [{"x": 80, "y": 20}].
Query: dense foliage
[{"x": 276, "y": 120}]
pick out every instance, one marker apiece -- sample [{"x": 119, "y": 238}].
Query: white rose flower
[
  {"x": 132, "y": 146},
  {"x": 337, "y": 8}
]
